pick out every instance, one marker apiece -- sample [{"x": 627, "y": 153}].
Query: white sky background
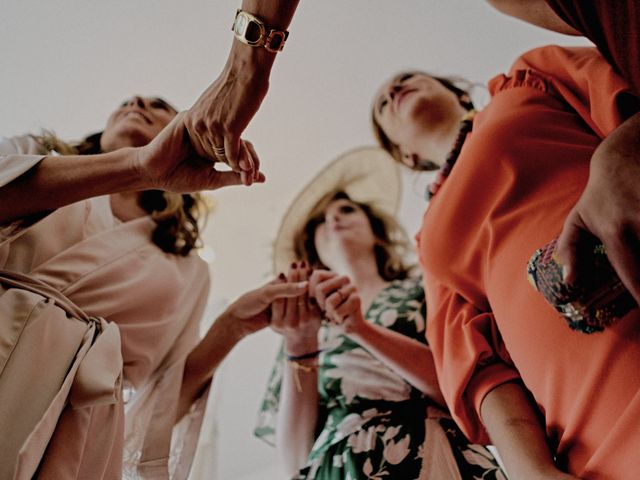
[{"x": 67, "y": 63}]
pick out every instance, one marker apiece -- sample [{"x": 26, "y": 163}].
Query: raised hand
[
  {"x": 169, "y": 162},
  {"x": 216, "y": 121},
  {"x": 251, "y": 312},
  {"x": 608, "y": 209},
  {"x": 296, "y": 319},
  {"x": 339, "y": 299}
]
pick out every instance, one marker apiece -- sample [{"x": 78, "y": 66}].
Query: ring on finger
[
  {"x": 340, "y": 294},
  {"x": 218, "y": 151}
]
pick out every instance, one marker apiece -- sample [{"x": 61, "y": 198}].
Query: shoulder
[
  {"x": 21, "y": 145},
  {"x": 547, "y": 57}
]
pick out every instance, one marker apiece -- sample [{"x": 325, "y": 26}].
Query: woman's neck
[
  {"x": 126, "y": 206},
  {"x": 437, "y": 145}
]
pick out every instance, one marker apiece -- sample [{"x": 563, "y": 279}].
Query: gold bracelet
[{"x": 297, "y": 365}]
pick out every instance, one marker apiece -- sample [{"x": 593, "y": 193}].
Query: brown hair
[
  {"x": 450, "y": 83},
  {"x": 391, "y": 240},
  {"x": 176, "y": 215}
]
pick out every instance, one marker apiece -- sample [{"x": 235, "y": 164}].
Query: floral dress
[{"x": 372, "y": 423}]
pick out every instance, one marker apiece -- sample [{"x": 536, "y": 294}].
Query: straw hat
[{"x": 367, "y": 174}]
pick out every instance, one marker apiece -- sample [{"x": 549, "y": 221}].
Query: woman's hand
[
  {"x": 339, "y": 299},
  {"x": 218, "y": 118},
  {"x": 296, "y": 319},
  {"x": 609, "y": 209},
  {"x": 250, "y": 312},
  {"x": 169, "y": 162}
]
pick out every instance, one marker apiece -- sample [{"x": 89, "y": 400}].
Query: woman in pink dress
[{"x": 103, "y": 232}]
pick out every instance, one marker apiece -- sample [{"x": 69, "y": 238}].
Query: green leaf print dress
[{"x": 372, "y": 423}]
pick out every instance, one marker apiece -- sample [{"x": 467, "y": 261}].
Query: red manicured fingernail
[{"x": 282, "y": 276}]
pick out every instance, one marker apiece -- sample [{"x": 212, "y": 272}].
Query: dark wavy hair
[
  {"x": 391, "y": 245},
  {"x": 453, "y": 84},
  {"x": 176, "y": 215}
]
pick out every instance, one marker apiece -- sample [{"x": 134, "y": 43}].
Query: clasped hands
[
  {"x": 295, "y": 304},
  {"x": 329, "y": 297}
]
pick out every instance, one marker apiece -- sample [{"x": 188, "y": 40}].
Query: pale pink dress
[{"x": 113, "y": 270}]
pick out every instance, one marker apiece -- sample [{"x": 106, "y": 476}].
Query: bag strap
[{"x": 26, "y": 282}]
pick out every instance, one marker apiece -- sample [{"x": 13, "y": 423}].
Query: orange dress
[{"x": 521, "y": 170}]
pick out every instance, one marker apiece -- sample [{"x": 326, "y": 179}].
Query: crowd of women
[{"x": 386, "y": 370}]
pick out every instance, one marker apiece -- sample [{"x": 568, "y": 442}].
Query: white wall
[{"x": 67, "y": 63}]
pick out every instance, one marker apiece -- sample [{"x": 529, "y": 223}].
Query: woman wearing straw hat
[{"x": 356, "y": 396}]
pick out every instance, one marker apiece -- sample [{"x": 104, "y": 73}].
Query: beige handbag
[{"x": 55, "y": 362}]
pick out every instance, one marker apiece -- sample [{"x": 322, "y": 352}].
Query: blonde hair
[
  {"x": 176, "y": 215},
  {"x": 392, "y": 244}
]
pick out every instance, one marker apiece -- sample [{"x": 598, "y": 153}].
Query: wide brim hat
[{"x": 366, "y": 174}]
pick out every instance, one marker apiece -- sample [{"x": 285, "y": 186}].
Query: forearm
[
  {"x": 63, "y": 180},
  {"x": 298, "y": 409},
  {"x": 409, "y": 358},
  {"x": 517, "y": 432},
  {"x": 275, "y": 13},
  {"x": 256, "y": 62},
  {"x": 204, "y": 359}
]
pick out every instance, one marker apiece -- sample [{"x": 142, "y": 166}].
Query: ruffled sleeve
[
  {"x": 583, "y": 79},
  {"x": 476, "y": 358}
]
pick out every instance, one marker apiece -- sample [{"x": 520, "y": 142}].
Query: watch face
[{"x": 253, "y": 31}]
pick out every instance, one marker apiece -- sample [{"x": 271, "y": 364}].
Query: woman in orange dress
[{"x": 508, "y": 186}]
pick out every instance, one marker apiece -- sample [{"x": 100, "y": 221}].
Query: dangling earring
[
  {"x": 410, "y": 160},
  {"x": 465, "y": 102},
  {"x": 414, "y": 162}
]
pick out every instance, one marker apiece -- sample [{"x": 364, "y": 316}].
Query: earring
[{"x": 410, "y": 159}]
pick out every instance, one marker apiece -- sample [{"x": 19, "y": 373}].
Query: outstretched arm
[
  {"x": 223, "y": 111},
  {"x": 243, "y": 317},
  {"x": 298, "y": 322},
  {"x": 167, "y": 163}
]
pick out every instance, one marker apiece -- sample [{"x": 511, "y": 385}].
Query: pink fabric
[{"x": 113, "y": 270}]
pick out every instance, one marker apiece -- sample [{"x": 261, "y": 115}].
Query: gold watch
[{"x": 251, "y": 30}]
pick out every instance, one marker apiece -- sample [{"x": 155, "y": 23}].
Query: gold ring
[
  {"x": 218, "y": 151},
  {"x": 339, "y": 292}
]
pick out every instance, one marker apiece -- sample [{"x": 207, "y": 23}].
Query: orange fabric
[{"x": 520, "y": 171}]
